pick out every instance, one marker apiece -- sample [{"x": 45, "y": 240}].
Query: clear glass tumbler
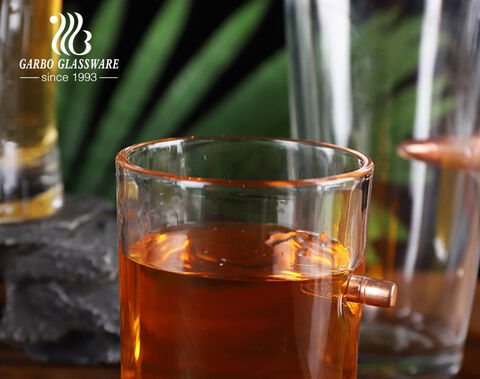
[
  {"x": 30, "y": 182},
  {"x": 400, "y": 81},
  {"x": 241, "y": 258}
]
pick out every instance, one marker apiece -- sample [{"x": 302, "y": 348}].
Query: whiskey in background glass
[{"x": 30, "y": 182}]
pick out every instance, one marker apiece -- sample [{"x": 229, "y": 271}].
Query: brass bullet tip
[
  {"x": 461, "y": 153},
  {"x": 376, "y": 292}
]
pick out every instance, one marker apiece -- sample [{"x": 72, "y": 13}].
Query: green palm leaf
[
  {"x": 190, "y": 85},
  {"x": 77, "y": 101},
  {"x": 258, "y": 106},
  {"x": 181, "y": 97},
  {"x": 140, "y": 78}
]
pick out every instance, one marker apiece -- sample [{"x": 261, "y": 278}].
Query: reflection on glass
[
  {"x": 243, "y": 258},
  {"x": 411, "y": 90},
  {"x": 30, "y": 184}
]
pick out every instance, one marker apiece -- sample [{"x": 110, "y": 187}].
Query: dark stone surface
[{"x": 61, "y": 277}]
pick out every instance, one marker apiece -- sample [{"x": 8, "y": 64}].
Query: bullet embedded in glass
[{"x": 376, "y": 292}]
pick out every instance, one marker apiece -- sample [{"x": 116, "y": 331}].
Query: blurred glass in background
[
  {"x": 30, "y": 183},
  {"x": 389, "y": 77}
]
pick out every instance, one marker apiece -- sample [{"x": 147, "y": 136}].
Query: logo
[
  {"x": 71, "y": 42},
  {"x": 67, "y": 41}
]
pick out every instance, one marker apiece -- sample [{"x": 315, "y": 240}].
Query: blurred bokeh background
[{"x": 186, "y": 68}]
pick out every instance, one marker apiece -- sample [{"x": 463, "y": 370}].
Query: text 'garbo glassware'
[{"x": 242, "y": 257}]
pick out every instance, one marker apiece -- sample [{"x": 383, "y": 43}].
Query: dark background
[{"x": 204, "y": 18}]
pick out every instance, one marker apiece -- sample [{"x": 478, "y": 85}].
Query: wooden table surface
[{"x": 14, "y": 364}]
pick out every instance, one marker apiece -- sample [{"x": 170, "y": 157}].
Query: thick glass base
[
  {"x": 398, "y": 351},
  {"x": 41, "y": 205},
  {"x": 30, "y": 182}
]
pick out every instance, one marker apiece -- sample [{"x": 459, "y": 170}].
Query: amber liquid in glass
[
  {"x": 30, "y": 183},
  {"x": 234, "y": 300}
]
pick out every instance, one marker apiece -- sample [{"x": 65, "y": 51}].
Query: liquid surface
[{"x": 229, "y": 300}]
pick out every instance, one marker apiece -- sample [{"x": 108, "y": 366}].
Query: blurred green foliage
[
  {"x": 75, "y": 101},
  {"x": 385, "y": 55},
  {"x": 256, "y": 106},
  {"x": 385, "y": 60},
  {"x": 384, "y": 63}
]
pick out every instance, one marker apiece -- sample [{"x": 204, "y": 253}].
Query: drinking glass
[
  {"x": 242, "y": 257},
  {"x": 30, "y": 182},
  {"x": 400, "y": 81}
]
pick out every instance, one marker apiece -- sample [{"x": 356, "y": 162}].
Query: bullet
[
  {"x": 376, "y": 292},
  {"x": 453, "y": 152}
]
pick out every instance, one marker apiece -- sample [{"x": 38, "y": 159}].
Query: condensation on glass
[
  {"x": 30, "y": 183},
  {"x": 400, "y": 81}
]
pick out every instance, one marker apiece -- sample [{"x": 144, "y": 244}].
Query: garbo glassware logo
[
  {"x": 65, "y": 43},
  {"x": 77, "y": 24}
]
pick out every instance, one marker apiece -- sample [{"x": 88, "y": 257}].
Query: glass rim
[{"x": 364, "y": 170}]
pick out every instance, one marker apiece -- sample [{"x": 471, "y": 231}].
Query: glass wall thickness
[
  {"x": 234, "y": 257},
  {"x": 399, "y": 81}
]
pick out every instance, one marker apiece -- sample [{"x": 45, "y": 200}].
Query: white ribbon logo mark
[{"x": 73, "y": 23}]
